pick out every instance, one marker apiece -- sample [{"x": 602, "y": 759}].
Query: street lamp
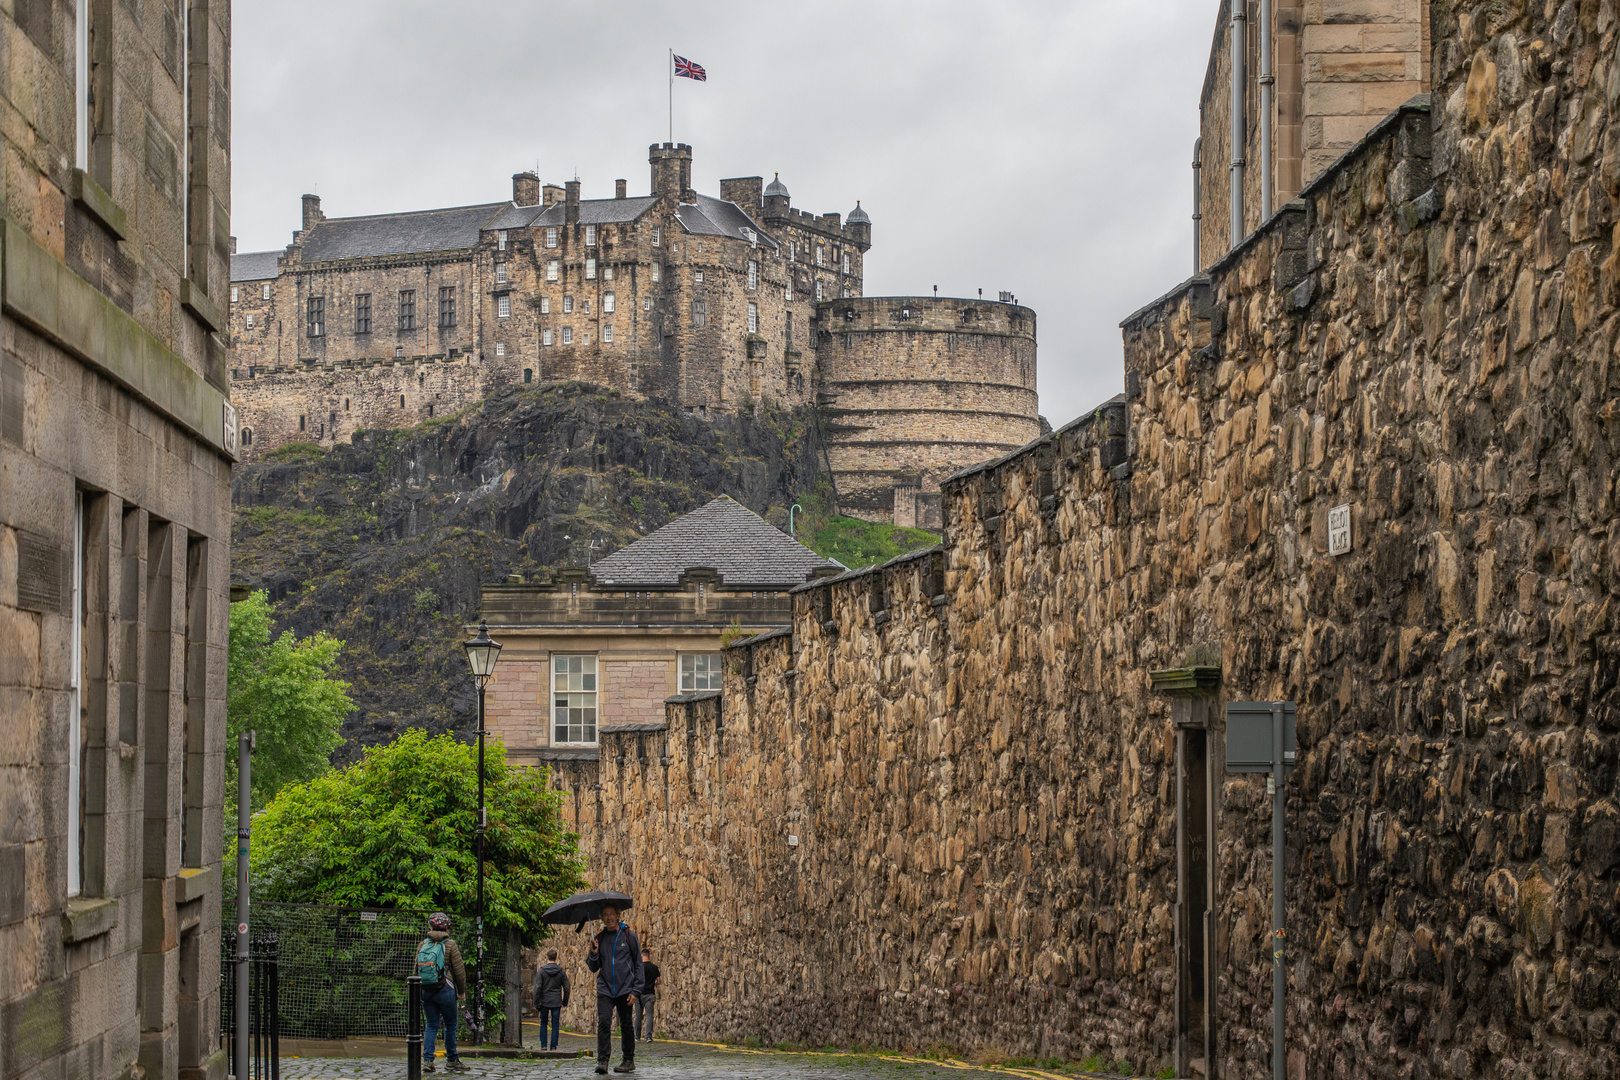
[{"x": 482, "y": 652}]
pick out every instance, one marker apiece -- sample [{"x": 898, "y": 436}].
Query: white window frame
[
  {"x": 250, "y": 322},
  {"x": 590, "y": 269},
  {"x": 545, "y": 337},
  {"x": 500, "y": 273},
  {"x": 846, "y": 262},
  {"x": 234, "y": 296},
  {"x": 697, "y": 277},
  {"x": 500, "y": 348},
  {"x": 568, "y": 335},
  {"x": 551, "y": 269},
  {"x": 658, "y": 235},
  {"x": 607, "y": 303},
  {"x": 607, "y": 333},
  {"x": 657, "y": 272},
  {"x": 590, "y": 236},
  {"x": 545, "y": 305},
  {"x": 818, "y": 288},
  {"x": 551, "y": 236},
  {"x": 753, "y": 318},
  {"x": 753, "y": 274},
  {"x": 500, "y": 240},
  {"x": 503, "y": 306},
  {"x": 586, "y": 701},
  {"x": 607, "y": 272},
  {"x": 568, "y": 305},
  {"x": 265, "y": 292},
  {"x": 695, "y": 668},
  {"x": 821, "y": 255},
  {"x": 646, "y": 303}
]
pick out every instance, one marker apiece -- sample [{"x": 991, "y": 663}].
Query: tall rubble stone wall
[{"x": 983, "y": 785}]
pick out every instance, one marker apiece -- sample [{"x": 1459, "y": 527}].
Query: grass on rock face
[{"x": 857, "y": 543}]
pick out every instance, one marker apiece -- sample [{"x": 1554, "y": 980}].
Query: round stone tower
[{"x": 914, "y": 388}]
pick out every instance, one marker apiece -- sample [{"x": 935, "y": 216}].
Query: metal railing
[{"x": 263, "y": 1005}]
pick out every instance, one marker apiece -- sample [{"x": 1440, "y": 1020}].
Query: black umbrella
[{"x": 582, "y": 907}]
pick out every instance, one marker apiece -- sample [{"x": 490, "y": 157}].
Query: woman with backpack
[{"x": 444, "y": 979}]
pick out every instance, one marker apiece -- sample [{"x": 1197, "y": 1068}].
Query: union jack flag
[{"x": 685, "y": 69}]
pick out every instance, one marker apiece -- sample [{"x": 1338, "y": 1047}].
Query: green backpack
[{"x": 430, "y": 962}]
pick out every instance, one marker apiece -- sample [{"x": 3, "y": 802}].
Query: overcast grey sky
[{"x": 1038, "y": 147}]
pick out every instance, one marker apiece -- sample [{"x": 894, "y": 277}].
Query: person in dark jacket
[
  {"x": 551, "y": 990},
  {"x": 648, "y": 998},
  {"x": 615, "y": 956},
  {"x": 439, "y": 998}
]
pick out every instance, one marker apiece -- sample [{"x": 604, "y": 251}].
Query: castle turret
[
  {"x": 525, "y": 188},
  {"x": 860, "y": 227},
  {"x": 671, "y": 170},
  {"x": 777, "y": 201},
  {"x": 551, "y": 195}
]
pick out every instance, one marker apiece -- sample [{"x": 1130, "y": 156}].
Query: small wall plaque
[
  {"x": 793, "y": 841},
  {"x": 1339, "y": 530}
]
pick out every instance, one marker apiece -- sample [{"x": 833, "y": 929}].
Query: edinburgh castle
[{"x": 717, "y": 304}]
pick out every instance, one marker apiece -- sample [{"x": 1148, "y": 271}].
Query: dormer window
[{"x": 749, "y": 234}]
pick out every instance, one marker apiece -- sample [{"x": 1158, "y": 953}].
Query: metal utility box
[{"x": 1248, "y": 735}]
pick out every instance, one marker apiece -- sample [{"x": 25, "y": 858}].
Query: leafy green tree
[
  {"x": 395, "y": 829},
  {"x": 283, "y": 690}
]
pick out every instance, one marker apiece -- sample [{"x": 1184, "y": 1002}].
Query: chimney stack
[
  {"x": 671, "y": 170},
  {"x": 525, "y": 188},
  {"x": 572, "y": 211},
  {"x": 233, "y": 245},
  {"x": 551, "y": 194},
  {"x": 747, "y": 192},
  {"x": 312, "y": 211},
  {"x": 619, "y": 190}
]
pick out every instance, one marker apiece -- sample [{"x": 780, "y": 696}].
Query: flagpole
[{"x": 672, "y": 95}]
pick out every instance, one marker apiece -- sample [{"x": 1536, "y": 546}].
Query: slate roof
[
  {"x": 255, "y": 265},
  {"x": 716, "y": 217},
  {"x": 598, "y": 211},
  {"x": 450, "y": 229},
  {"x": 746, "y": 549}
]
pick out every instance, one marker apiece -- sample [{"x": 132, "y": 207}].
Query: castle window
[
  {"x": 345, "y": 404},
  {"x": 821, "y": 253},
  {"x": 846, "y": 262},
  {"x": 265, "y": 293},
  {"x": 607, "y": 273},
  {"x": 607, "y": 303},
  {"x": 551, "y": 236},
  {"x": 568, "y": 335},
  {"x": 658, "y": 235},
  {"x": 300, "y": 423},
  {"x": 753, "y": 274},
  {"x": 545, "y": 305},
  {"x": 753, "y": 318},
  {"x": 844, "y": 292},
  {"x": 793, "y": 250},
  {"x": 700, "y": 671},
  {"x": 568, "y": 305},
  {"x": 317, "y": 316},
  {"x": 362, "y": 313},
  {"x": 590, "y": 236},
  {"x": 787, "y": 293},
  {"x": 818, "y": 289},
  {"x": 528, "y": 374},
  {"x": 247, "y": 436},
  {"x": 700, "y": 313},
  {"x": 503, "y": 306},
  {"x": 646, "y": 303},
  {"x": 697, "y": 277},
  {"x": 250, "y": 322},
  {"x": 500, "y": 348},
  {"x": 590, "y": 269},
  {"x": 234, "y": 296},
  {"x": 447, "y": 307},
  {"x": 430, "y": 410},
  {"x": 402, "y": 401},
  {"x": 399, "y": 351},
  {"x": 545, "y": 337},
  {"x": 607, "y": 333},
  {"x": 500, "y": 240},
  {"x": 573, "y": 699},
  {"x": 551, "y": 269},
  {"x": 656, "y": 272},
  {"x": 407, "y": 309},
  {"x": 500, "y": 273}
]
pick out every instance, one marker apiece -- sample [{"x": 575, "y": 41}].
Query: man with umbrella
[{"x": 615, "y": 956}]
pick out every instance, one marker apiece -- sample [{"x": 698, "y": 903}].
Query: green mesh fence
[{"x": 342, "y": 971}]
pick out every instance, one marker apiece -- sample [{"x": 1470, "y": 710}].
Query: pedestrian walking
[
  {"x": 615, "y": 956},
  {"x": 648, "y": 998},
  {"x": 444, "y": 980},
  {"x": 551, "y": 991}
]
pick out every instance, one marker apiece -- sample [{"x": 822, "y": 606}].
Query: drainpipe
[
  {"x": 1238, "y": 121},
  {"x": 1268, "y": 98},
  {"x": 1198, "y": 201}
]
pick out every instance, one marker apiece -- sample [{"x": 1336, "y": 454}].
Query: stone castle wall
[
  {"x": 901, "y": 373},
  {"x": 994, "y": 811}
]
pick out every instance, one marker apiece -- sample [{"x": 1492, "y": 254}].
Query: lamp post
[{"x": 481, "y": 656}]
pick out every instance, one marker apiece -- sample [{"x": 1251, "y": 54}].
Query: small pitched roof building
[{"x": 597, "y": 648}]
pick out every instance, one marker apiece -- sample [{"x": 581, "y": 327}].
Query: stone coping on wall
[
  {"x": 555, "y": 753},
  {"x": 851, "y": 575},
  {"x": 631, "y": 729},
  {"x": 784, "y": 631},
  {"x": 689, "y": 697},
  {"x": 1419, "y": 103}
]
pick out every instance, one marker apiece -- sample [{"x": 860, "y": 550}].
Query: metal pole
[
  {"x": 1198, "y": 203},
  {"x": 1278, "y": 931},
  {"x": 244, "y": 817},
  {"x": 1267, "y": 99},
  {"x": 413, "y": 1028},
  {"x": 478, "y": 978},
  {"x": 1239, "y": 120}
]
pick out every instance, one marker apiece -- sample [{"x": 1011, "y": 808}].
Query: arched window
[
  {"x": 402, "y": 401},
  {"x": 247, "y": 436},
  {"x": 528, "y": 374}
]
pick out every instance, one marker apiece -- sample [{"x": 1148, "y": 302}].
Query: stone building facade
[
  {"x": 977, "y": 796},
  {"x": 717, "y": 304},
  {"x": 1339, "y": 66},
  {"x": 116, "y": 444}
]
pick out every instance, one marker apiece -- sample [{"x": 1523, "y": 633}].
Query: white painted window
[
  {"x": 500, "y": 273},
  {"x": 607, "y": 273},
  {"x": 590, "y": 269},
  {"x": 585, "y": 305},
  {"x": 500, "y": 240},
  {"x": 793, "y": 250},
  {"x": 568, "y": 304},
  {"x": 503, "y": 306},
  {"x": 787, "y": 293},
  {"x": 607, "y": 333},
  {"x": 753, "y": 274},
  {"x": 818, "y": 290},
  {"x": 590, "y": 236},
  {"x": 656, "y": 272},
  {"x": 573, "y": 699},
  {"x": 607, "y": 303},
  {"x": 657, "y": 235},
  {"x": 545, "y": 337},
  {"x": 700, "y": 671},
  {"x": 551, "y": 236},
  {"x": 646, "y": 303},
  {"x": 250, "y": 322},
  {"x": 500, "y": 348},
  {"x": 568, "y": 335},
  {"x": 545, "y": 305},
  {"x": 697, "y": 277},
  {"x": 821, "y": 253},
  {"x": 844, "y": 291},
  {"x": 846, "y": 262},
  {"x": 551, "y": 269},
  {"x": 265, "y": 294},
  {"x": 234, "y": 294},
  {"x": 753, "y": 318}
]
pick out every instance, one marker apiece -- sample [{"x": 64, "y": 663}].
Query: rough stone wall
[
  {"x": 898, "y": 372},
  {"x": 984, "y": 787}
]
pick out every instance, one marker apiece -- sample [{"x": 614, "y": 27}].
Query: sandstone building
[
  {"x": 718, "y": 304},
  {"x": 116, "y": 444},
  {"x": 600, "y": 648},
  {"x": 1017, "y": 740}
]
